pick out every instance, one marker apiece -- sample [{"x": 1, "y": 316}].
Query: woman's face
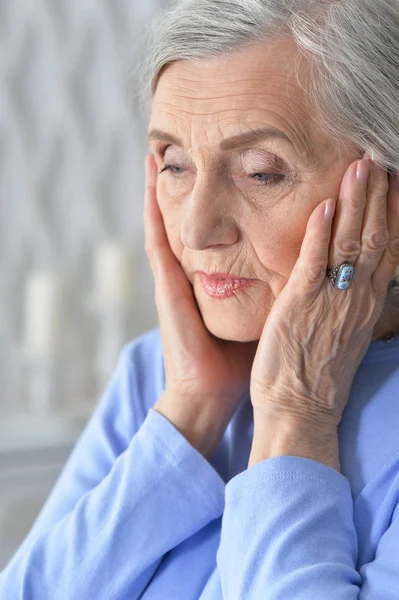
[{"x": 238, "y": 200}]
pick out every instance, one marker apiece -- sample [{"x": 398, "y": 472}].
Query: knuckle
[
  {"x": 380, "y": 194},
  {"x": 348, "y": 249},
  {"x": 381, "y": 185},
  {"x": 314, "y": 272},
  {"x": 355, "y": 204},
  {"x": 376, "y": 241}
]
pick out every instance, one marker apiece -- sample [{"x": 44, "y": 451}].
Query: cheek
[
  {"x": 274, "y": 230},
  {"x": 175, "y": 189},
  {"x": 277, "y": 238}
]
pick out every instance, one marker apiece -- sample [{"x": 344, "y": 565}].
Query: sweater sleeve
[
  {"x": 117, "y": 508},
  {"x": 288, "y": 532}
]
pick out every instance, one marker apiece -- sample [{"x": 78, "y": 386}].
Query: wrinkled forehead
[{"x": 214, "y": 98}]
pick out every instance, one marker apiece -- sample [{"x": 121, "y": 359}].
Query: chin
[{"x": 231, "y": 322}]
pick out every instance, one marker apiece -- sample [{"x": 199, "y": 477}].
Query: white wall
[
  {"x": 71, "y": 176},
  {"x": 71, "y": 156}
]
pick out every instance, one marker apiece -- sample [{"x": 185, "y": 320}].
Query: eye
[
  {"x": 263, "y": 178},
  {"x": 173, "y": 168},
  {"x": 267, "y": 178}
]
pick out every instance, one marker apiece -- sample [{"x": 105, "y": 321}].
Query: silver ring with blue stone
[{"x": 341, "y": 276}]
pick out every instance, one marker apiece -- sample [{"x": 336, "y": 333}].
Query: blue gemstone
[{"x": 345, "y": 276}]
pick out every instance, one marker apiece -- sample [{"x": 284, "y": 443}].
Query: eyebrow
[{"x": 242, "y": 139}]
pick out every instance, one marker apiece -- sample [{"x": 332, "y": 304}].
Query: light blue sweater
[{"x": 138, "y": 513}]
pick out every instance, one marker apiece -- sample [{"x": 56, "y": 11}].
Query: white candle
[
  {"x": 43, "y": 314},
  {"x": 113, "y": 274}
]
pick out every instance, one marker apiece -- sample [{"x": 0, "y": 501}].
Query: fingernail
[
  {"x": 329, "y": 208},
  {"x": 362, "y": 172},
  {"x": 370, "y": 157}
]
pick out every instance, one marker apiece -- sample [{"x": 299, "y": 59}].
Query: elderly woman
[{"x": 248, "y": 448}]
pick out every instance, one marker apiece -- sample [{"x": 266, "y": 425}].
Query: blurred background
[{"x": 75, "y": 284}]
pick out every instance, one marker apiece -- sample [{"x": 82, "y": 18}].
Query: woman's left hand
[{"x": 316, "y": 336}]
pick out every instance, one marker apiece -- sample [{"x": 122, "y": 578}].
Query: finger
[
  {"x": 164, "y": 264},
  {"x": 346, "y": 232},
  {"x": 155, "y": 234},
  {"x": 176, "y": 307},
  {"x": 310, "y": 270},
  {"x": 374, "y": 236},
  {"x": 390, "y": 258}
]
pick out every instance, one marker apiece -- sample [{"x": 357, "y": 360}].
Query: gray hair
[{"x": 352, "y": 47}]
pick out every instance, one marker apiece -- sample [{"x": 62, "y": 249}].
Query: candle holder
[
  {"x": 110, "y": 303},
  {"x": 42, "y": 352}
]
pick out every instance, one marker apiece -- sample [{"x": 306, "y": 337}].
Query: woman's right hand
[{"x": 206, "y": 377}]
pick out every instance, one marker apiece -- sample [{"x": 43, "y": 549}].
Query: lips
[{"x": 223, "y": 285}]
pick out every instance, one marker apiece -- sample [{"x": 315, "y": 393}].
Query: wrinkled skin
[
  {"x": 316, "y": 336},
  {"x": 245, "y": 210}
]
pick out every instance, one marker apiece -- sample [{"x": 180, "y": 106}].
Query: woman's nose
[{"x": 208, "y": 219}]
